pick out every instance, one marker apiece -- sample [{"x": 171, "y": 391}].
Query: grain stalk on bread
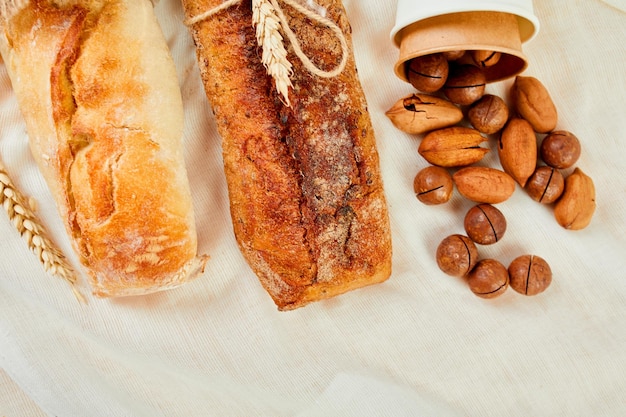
[
  {"x": 28, "y": 226},
  {"x": 268, "y": 19},
  {"x": 268, "y": 36}
]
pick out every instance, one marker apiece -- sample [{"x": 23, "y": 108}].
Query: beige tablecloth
[{"x": 420, "y": 344}]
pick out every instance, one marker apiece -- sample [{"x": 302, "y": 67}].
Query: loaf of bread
[
  {"x": 306, "y": 196},
  {"x": 99, "y": 93}
]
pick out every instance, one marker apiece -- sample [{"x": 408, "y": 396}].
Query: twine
[{"x": 295, "y": 43}]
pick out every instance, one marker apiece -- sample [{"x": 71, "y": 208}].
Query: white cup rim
[{"x": 529, "y": 24}]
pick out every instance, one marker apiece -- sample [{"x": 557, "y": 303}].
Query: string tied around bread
[{"x": 268, "y": 19}]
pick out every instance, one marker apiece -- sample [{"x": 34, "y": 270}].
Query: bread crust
[
  {"x": 306, "y": 194},
  {"x": 100, "y": 97}
]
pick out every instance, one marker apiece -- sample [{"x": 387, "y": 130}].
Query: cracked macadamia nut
[
  {"x": 428, "y": 73},
  {"x": 457, "y": 255},
  {"x": 485, "y": 224},
  {"x": 560, "y": 149},
  {"x": 529, "y": 275},
  {"x": 486, "y": 58},
  {"x": 489, "y": 114},
  {"x": 545, "y": 185},
  {"x": 433, "y": 185},
  {"x": 453, "y": 55},
  {"x": 465, "y": 84},
  {"x": 488, "y": 279}
]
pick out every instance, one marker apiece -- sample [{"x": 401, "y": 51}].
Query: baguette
[
  {"x": 306, "y": 195},
  {"x": 98, "y": 90}
]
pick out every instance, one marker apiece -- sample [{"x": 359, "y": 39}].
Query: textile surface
[{"x": 420, "y": 344}]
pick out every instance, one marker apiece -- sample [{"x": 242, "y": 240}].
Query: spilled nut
[
  {"x": 484, "y": 185},
  {"x": 453, "y": 147},
  {"x": 533, "y": 102},
  {"x": 420, "y": 113},
  {"x": 517, "y": 149},
  {"x": 576, "y": 206}
]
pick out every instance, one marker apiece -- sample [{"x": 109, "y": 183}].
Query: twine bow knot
[{"x": 268, "y": 18}]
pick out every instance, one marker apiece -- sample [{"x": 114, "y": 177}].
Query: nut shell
[
  {"x": 485, "y": 59},
  {"x": 453, "y": 55},
  {"x": 453, "y": 146},
  {"x": 465, "y": 84},
  {"x": 529, "y": 275},
  {"x": 546, "y": 185},
  {"x": 428, "y": 73},
  {"x": 488, "y": 279},
  {"x": 457, "y": 255},
  {"x": 484, "y": 185},
  {"x": 433, "y": 185},
  {"x": 575, "y": 209},
  {"x": 517, "y": 150},
  {"x": 533, "y": 102},
  {"x": 420, "y": 113},
  {"x": 485, "y": 224},
  {"x": 489, "y": 114},
  {"x": 560, "y": 149}
]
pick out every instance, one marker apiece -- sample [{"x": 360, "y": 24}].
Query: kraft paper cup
[{"x": 429, "y": 26}]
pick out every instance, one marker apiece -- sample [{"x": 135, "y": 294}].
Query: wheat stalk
[
  {"x": 24, "y": 220},
  {"x": 268, "y": 18},
  {"x": 274, "y": 57}
]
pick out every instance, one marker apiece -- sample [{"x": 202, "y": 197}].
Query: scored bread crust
[
  {"x": 306, "y": 195},
  {"x": 99, "y": 94}
]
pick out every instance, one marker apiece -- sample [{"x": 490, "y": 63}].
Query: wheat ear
[
  {"x": 24, "y": 220},
  {"x": 274, "y": 57}
]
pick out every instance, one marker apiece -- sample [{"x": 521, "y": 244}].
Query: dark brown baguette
[{"x": 306, "y": 196}]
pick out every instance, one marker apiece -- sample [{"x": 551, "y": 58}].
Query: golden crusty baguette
[{"x": 98, "y": 90}]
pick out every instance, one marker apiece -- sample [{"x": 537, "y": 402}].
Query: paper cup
[{"x": 429, "y": 26}]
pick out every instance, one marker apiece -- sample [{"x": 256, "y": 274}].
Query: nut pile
[{"x": 453, "y": 112}]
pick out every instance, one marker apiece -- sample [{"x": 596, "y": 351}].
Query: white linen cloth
[{"x": 420, "y": 344}]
